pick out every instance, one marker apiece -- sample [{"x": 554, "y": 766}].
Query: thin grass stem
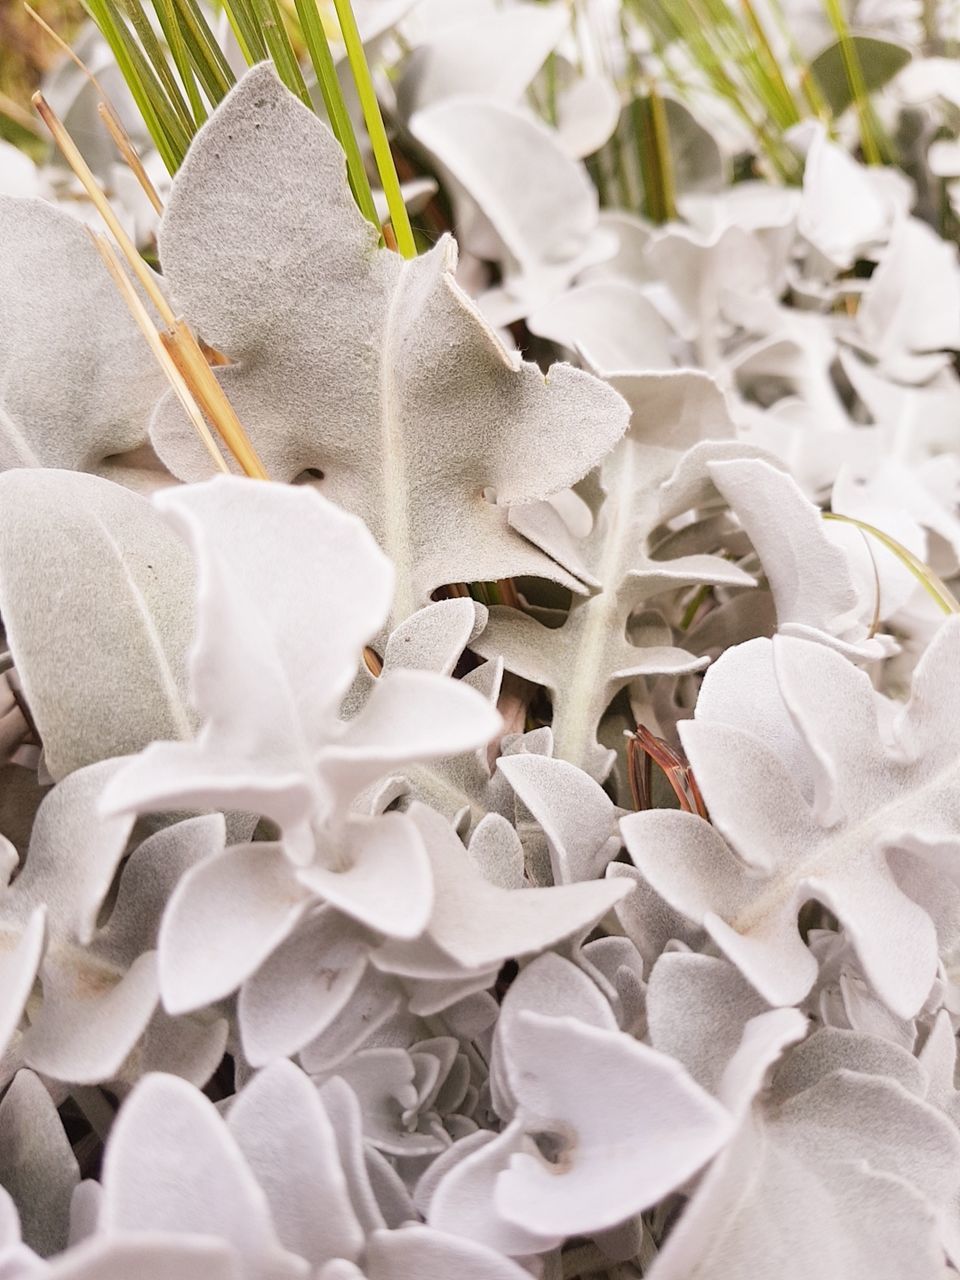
[
  {"x": 318, "y": 47},
  {"x": 178, "y": 49},
  {"x": 19, "y": 115},
  {"x": 873, "y": 149},
  {"x": 249, "y": 36},
  {"x": 277, "y": 40},
  {"x": 162, "y": 356},
  {"x": 121, "y": 140},
  {"x": 179, "y": 340},
  {"x": 208, "y": 58},
  {"x": 382, "y": 154},
  {"x": 75, "y": 160},
  {"x": 189, "y": 358},
  {"x": 932, "y": 584},
  {"x": 163, "y": 124},
  {"x": 134, "y": 11}
]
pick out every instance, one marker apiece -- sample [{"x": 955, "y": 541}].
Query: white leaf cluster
[{"x": 353, "y": 928}]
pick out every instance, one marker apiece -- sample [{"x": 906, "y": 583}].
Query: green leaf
[
  {"x": 246, "y": 31},
  {"x": 135, "y": 13},
  {"x": 880, "y": 60},
  {"x": 174, "y": 37}
]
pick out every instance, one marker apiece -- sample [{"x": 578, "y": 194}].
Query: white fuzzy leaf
[
  {"x": 810, "y": 577},
  {"x": 475, "y": 925},
  {"x": 624, "y": 1156},
  {"x": 870, "y": 799},
  {"x": 356, "y": 380},
  {"x": 495, "y": 54},
  {"x": 171, "y": 1166},
  {"x": 226, "y": 915},
  {"x": 842, "y": 1172},
  {"x": 96, "y": 596},
  {"x": 18, "y": 969},
  {"x": 77, "y": 379},
  {"x": 91, "y": 1017},
  {"x": 281, "y": 1127},
  {"x": 433, "y": 1255},
  {"x": 585, "y": 662},
  {"x": 148, "y": 1257},
  {"x": 37, "y": 1165},
  {"x": 73, "y": 855},
  {"x": 491, "y": 150},
  {"x": 301, "y": 988},
  {"x": 909, "y": 314},
  {"x": 841, "y": 214},
  {"x": 577, "y": 816},
  {"x": 612, "y": 321}
]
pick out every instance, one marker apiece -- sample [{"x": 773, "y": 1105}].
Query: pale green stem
[{"x": 933, "y": 586}]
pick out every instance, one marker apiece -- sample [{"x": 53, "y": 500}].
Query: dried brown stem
[
  {"x": 645, "y": 748},
  {"x": 64, "y": 47},
  {"x": 155, "y": 342},
  {"x": 106, "y": 112},
  {"x": 372, "y": 661},
  {"x": 211, "y": 397},
  {"x": 179, "y": 341},
  {"x": 121, "y": 140}
]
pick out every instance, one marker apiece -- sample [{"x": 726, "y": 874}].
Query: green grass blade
[
  {"x": 933, "y": 586},
  {"x": 318, "y": 47},
  {"x": 163, "y": 124},
  {"x": 375, "y": 128},
  {"x": 151, "y": 46},
  {"x": 178, "y": 49},
  {"x": 726, "y": 51},
  {"x": 649, "y": 121},
  {"x": 874, "y": 149},
  {"x": 277, "y": 40},
  {"x": 808, "y": 83},
  {"x": 208, "y": 59},
  {"x": 660, "y": 140},
  {"x": 245, "y": 30}
]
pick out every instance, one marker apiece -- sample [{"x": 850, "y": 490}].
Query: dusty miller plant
[{"x": 492, "y": 807}]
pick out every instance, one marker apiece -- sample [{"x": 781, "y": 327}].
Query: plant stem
[
  {"x": 178, "y": 339},
  {"x": 869, "y": 126},
  {"x": 134, "y": 11},
  {"x": 933, "y": 586},
  {"x": 247, "y": 33},
  {"x": 212, "y": 67},
  {"x": 281, "y": 50},
  {"x": 178, "y": 49},
  {"x": 375, "y": 128},
  {"x": 121, "y": 140},
  {"x": 318, "y": 47},
  {"x": 164, "y": 126},
  {"x": 160, "y": 352}
]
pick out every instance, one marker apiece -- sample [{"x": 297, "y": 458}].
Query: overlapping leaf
[
  {"x": 77, "y": 380},
  {"x": 376, "y": 372},
  {"x": 588, "y": 659},
  {"x": 97, "y": 601},
  {"x": 866, "y": 826}
]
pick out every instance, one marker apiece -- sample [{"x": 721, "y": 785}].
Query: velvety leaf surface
[
  {"x": 77, "y": 380},
  {"x": 97, "y": 601},
  {"x": 377, "y": 372}
]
